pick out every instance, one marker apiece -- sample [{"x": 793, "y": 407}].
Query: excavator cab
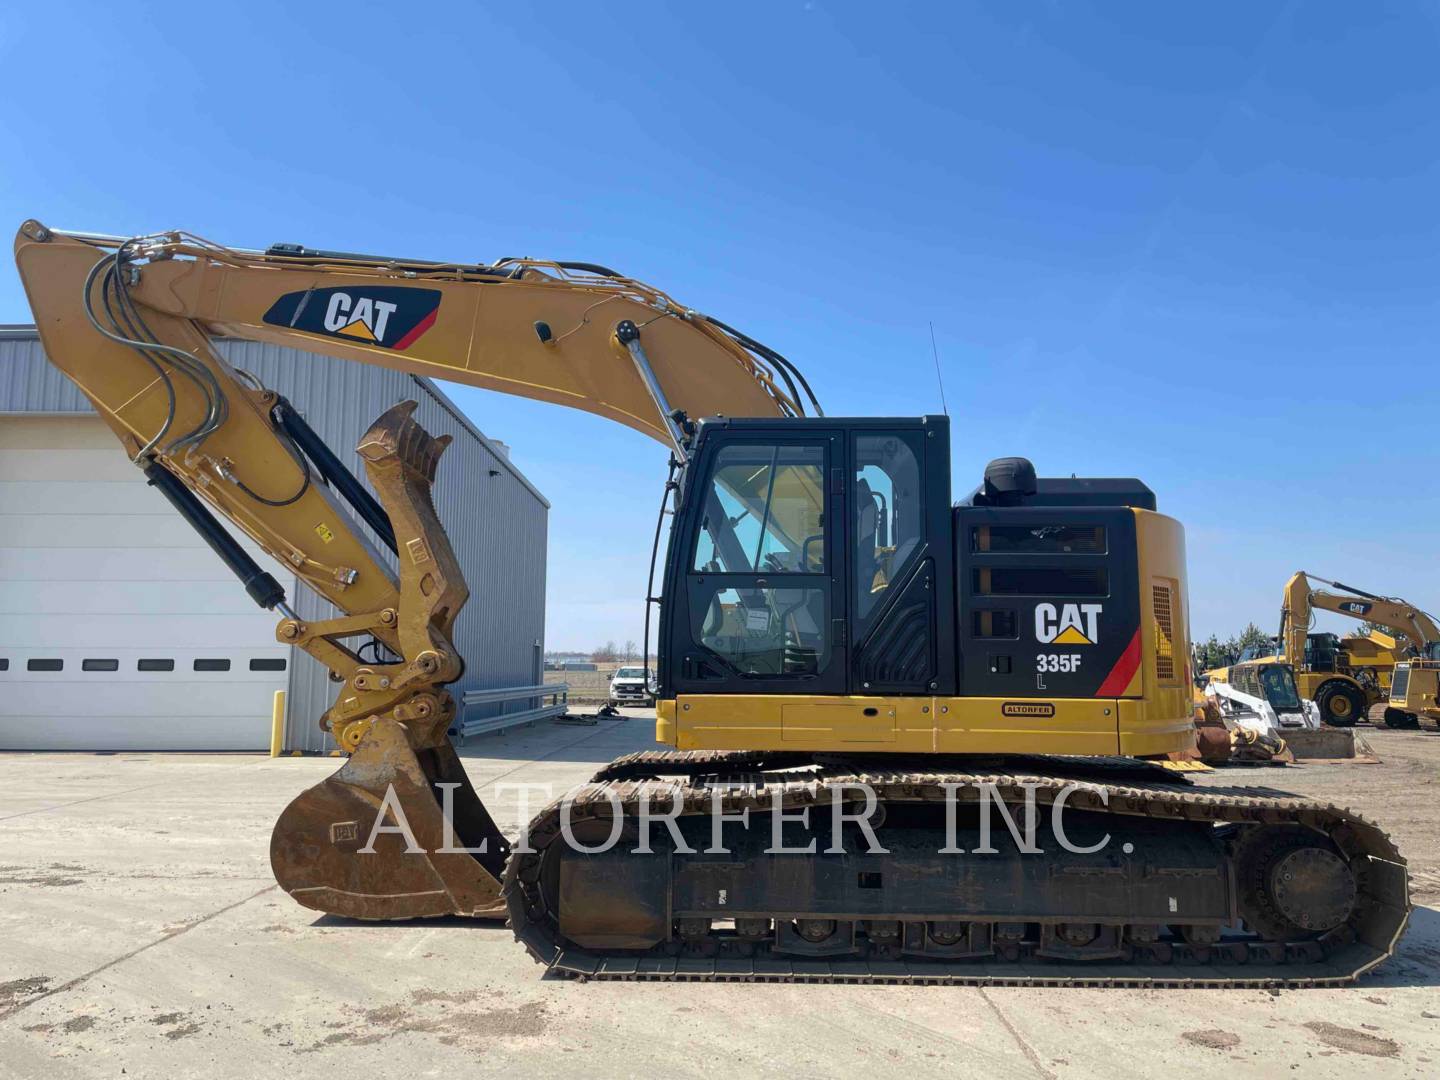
[
  {"x": 822, "y": 592},
  {"x": 799, "y": 550}
]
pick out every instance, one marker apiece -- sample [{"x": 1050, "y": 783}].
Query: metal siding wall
[
  {"x": 497, "y": 523},
  {"x": 30, "y": 383}
]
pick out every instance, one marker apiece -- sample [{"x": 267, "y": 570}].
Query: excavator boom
[
  {"x": 1396, "y": 615},
  {"x": 131, "y": 321}
]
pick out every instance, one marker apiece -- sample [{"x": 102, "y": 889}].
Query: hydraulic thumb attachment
[{"x": 399, "y": 831}]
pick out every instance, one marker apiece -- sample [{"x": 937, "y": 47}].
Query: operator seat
[{"x": 867, "y": 525}]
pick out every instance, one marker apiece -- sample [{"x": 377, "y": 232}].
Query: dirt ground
[
  {"x": 142, "y": 935},
  {"x": 1402, "y": 794}
]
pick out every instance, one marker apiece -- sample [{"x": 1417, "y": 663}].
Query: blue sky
[{"x": 1195, "y": 243}]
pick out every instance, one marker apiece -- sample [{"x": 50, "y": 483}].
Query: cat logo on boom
[
  {"x": 1070, "y": 624},
  {"x": 388, "y": 316},
  {"x": 361, "y": 317}
]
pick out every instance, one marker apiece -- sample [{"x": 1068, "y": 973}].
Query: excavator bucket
[
  {"x": 374, "y": 840},
  {"x": 399, "y": 831}
]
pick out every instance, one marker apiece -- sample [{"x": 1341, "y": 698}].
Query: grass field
[{"x": 586, "y": 687}]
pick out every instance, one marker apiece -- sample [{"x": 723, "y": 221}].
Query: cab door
[{"x": 763, "y": 607}]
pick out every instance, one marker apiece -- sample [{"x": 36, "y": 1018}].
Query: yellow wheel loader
[
  {"x": 854, "y": 672},
  {"x": 1371, "y": 659}
]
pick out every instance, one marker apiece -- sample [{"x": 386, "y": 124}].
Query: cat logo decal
[
  {"x": 1068, "y": 624},
  {"x": 391, "y": 317}
]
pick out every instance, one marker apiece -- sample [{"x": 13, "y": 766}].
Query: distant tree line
[
  {"x": 1215, "y": 653},
  {"x": 610, "y": 652}
]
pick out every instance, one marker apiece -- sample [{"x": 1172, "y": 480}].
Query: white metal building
[{"x": 121, "y": 630}]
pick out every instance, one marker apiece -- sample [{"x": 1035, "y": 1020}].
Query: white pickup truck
[{"x": 632, "y": 686}]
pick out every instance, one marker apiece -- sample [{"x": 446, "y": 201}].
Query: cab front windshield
[
  {"x": 629, "y": 673},
  {"x": 1278, "y": 682}
]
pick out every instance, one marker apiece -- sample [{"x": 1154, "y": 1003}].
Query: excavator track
[{"x": 1257, "y": 837}]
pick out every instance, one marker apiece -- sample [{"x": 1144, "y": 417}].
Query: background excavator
[
  {"x": 830, "y": 626},
  {"x": 1412, "y": 689}
]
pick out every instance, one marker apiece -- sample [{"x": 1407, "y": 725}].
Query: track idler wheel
[
  {"x": 1294, "y": 885},
  {"x": 327, "y": 852}
]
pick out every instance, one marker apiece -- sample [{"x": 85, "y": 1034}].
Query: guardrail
[{"x": 534, "y": 697}]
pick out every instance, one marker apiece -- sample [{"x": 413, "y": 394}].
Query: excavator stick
[
  {"x": 399, "y": 831},
  {"x": 211, "y": 438}
]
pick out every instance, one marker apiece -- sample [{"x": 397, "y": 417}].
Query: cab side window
[
  {"x": 887, "y": 505},
  {"x": 764, "y": 512}
]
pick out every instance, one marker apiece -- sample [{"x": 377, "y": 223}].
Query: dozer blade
[
  {"x": 1331, "y": 744},
  {"x": 372, "y": 841}
]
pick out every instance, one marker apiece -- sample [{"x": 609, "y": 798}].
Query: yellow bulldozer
[{"x": 853, "y": 670}]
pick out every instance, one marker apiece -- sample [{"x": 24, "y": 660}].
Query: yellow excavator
[
  {"x": 1413, "y": 681},
  {"x": 853, "y": 671}
]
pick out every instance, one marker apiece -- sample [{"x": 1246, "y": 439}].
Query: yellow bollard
[{"x": 277, "y": 724}]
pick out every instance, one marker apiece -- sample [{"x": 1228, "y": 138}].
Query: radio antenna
[{"x": 935, "y": 352}]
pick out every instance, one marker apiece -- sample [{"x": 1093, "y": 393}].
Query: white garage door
[{"x": 119, "y": 628}]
